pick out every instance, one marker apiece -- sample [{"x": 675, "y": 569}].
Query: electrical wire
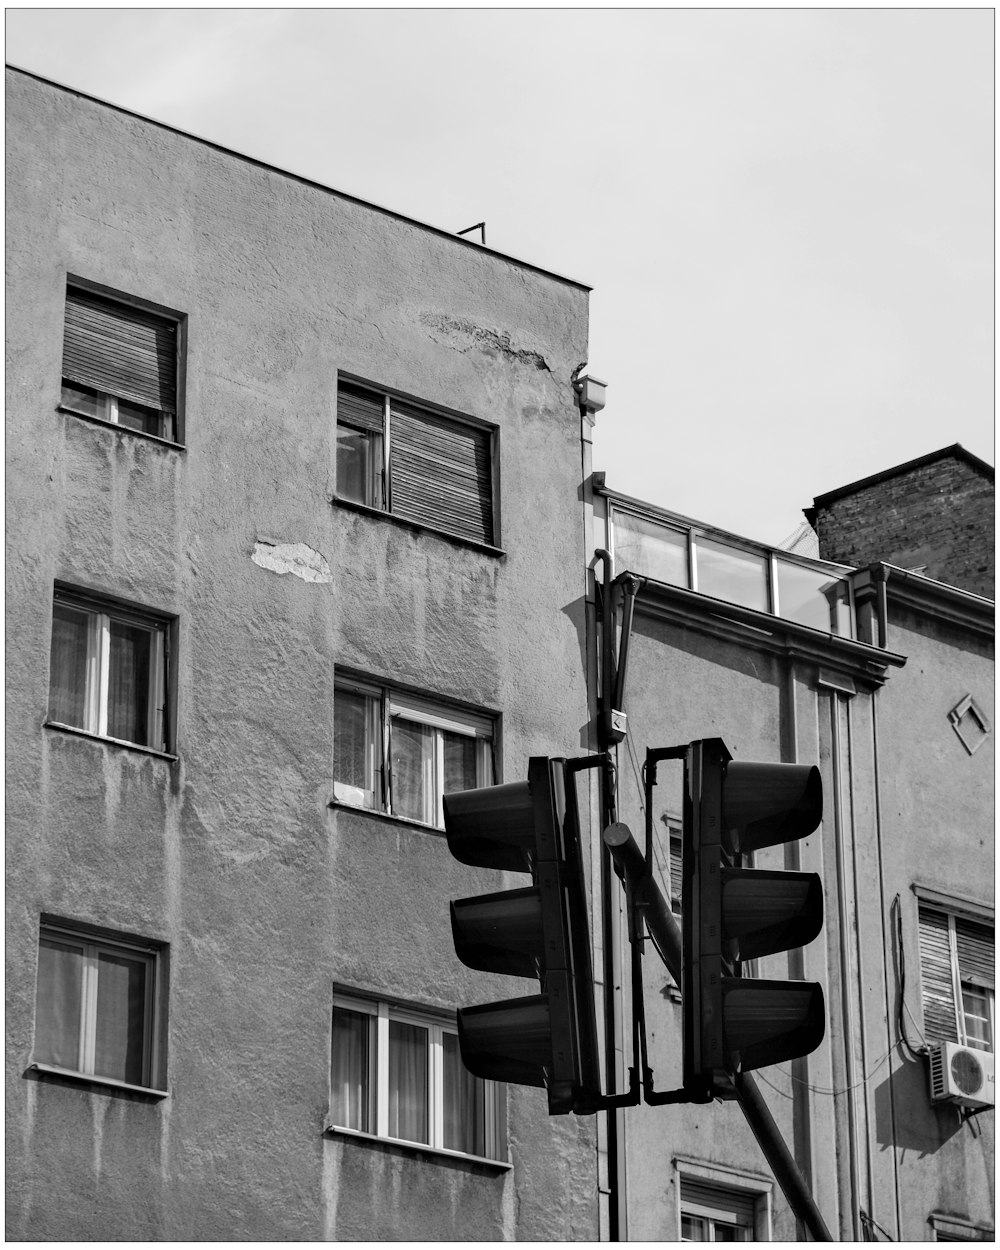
[{"x": 819, "y": 1089}]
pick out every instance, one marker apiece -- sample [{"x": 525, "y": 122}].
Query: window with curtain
[
  {"x": 400, "y": 754},
  {"x": 95, "y": 1006},
  {"x": 957, "y": 977},
  {"x": 415, "y": 462},
  {"x": 107, "y": 670},
  {"x": 397, "y": 1073},
  {"x": 120, "y": 363}
]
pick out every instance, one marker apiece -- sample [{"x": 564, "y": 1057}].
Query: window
[
  {"x": 676, "y": 553},
  {"x": 430, "y": 750},
  {"x": 95, "y": 1006},
  {"x": 414, "y": 463},
  {"x": 957, "y": 973},
  {"x": 120, "y": 363},
  {"x": 107, "y": 670},
  {"x": 675, "y": 847},
  {"x": 710, "y": 1211},
  {"x": 398, "y": 1074}
]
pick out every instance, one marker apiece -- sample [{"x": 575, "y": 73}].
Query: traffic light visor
[
  {"x": 764, "y": 911},
  {"x": 492, "y": 827},
  {"x": 767, "y": 1022},
  {"x": 509, "y": 1041},
  {"x": 768, "y": 804},
  {"x": 500, "y": 932}
]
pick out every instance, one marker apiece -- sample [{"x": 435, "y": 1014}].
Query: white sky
[{"x": 786, "y": 214}]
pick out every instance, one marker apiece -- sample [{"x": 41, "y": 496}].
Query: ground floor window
[{"x": 396, "y": 1073}]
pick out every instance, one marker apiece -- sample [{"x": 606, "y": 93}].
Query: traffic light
[
  {"x": 541, "y": 931},
  {"x": 732, "y": 914}
]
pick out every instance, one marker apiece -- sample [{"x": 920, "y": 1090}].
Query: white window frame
[
  {"x": 386, "y": 706},
  {"x": 743, "y": 1186},
  {"x": 957, "y": 983},
  {"x": 382, "y": 1012},
  {"x": 98, "y": 667},
  {"x": 92, "y": 946}
]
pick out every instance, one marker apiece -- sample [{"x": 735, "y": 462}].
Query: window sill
[
  {"x": 116, "y": 742},
  {"x": 499, "y": 1165},
  {"x": 84, "y": 1078},
  {"x": 352, "y": 506},
  {"x": 122, "y": 429},
  {"x": 378, "y": 814}
]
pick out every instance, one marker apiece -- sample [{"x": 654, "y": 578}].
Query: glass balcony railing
[{"x": 761, "y": 578}]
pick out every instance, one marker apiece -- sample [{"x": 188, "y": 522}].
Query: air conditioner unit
[{"x": 962, "y": 1074}]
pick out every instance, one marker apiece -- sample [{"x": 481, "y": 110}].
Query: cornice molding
[{"x": 761, "y": 631}]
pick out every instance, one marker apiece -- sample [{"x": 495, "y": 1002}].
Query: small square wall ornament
[{"x": 971, "y": 724}]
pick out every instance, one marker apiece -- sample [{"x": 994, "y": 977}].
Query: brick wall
[{"x": 936, "y": 518}]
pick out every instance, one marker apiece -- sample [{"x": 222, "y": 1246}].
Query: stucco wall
[
  {"x": 265, "y": 895},
  {"x": 939, "y": 830}
]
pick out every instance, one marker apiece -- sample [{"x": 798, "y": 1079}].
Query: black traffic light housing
[
  {"x": 541, "y": 931},
  {"x": 731, "y": 914}
]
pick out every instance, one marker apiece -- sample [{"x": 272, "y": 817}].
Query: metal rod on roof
[{"x": 480, "y": 226}]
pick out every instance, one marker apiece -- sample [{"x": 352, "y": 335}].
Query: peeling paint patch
[
  {"x": 493, "y": 342},
  {"x": 295, "y": 558}
]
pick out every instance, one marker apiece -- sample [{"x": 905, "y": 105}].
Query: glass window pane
[
  {"x": 351, "y": 1069},
  {"x": 354, "y": 748},
  {"x": 408, "y": 1057},
  {"x": 136, "y": 417},
  {"x": 459, "y": 762},
  {"x": 464, "y": 1102},
  {"x": 129, "y": 683},
  {"x": 357, "y": 470},
  {"x": 68, "y": 666},
  {"x": 810, "y": 596},
  {"x": 727, "y": 573},
  {"x": 120, "y": 1043},
  {"x": 81, "y": 399},
  {"x": 693, "y": 1228},
  {"x": 653, "y": 550},
  {"x": 58, "y": 1001},
  {"x": 976, "y": 1011},
  {"x": 413, "y": 770}
]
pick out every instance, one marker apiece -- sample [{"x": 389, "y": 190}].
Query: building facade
[
  {"x": 883, "y": 678},
  {"x": 294, "y": 544},
  {"x": 303, "y": 532}
]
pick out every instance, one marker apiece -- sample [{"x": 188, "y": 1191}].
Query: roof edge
[
  {"x": 956, "y": 450},
  {"x": 300, "y": 178}
]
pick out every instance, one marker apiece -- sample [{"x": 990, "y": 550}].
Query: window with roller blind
[
  {"x": 97, "y": 1005},
  {"x": 121, "y": 363},
  {"x": 957, "y": 977},
  {"x": 414, "y": 462}
]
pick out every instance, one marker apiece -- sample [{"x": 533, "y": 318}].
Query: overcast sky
[{"x": 786, "y": 215}]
